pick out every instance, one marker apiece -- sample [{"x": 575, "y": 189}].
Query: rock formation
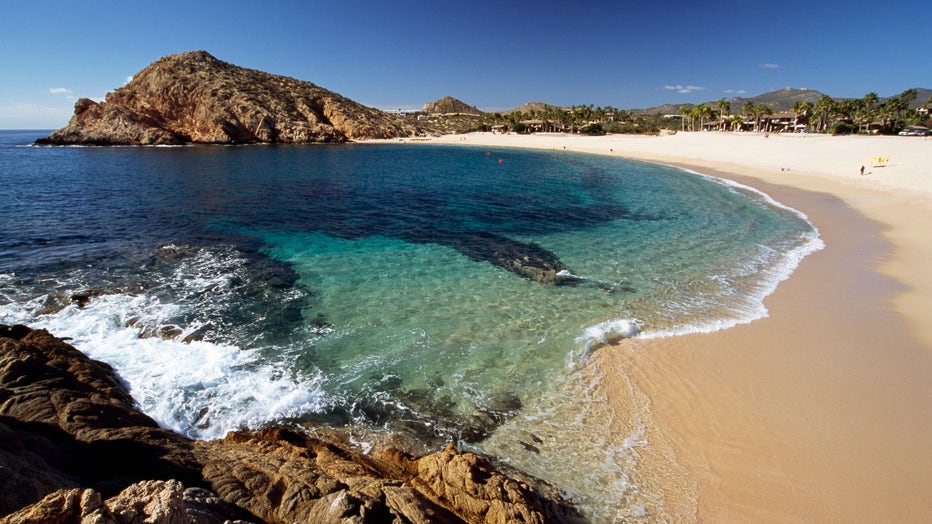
[
  {"x": 449, "y": 105},
  {"x": 194, "y": 97},
  {"x": 150, "y": 502},
  {"x": 528, "y": 260},
  {"x": 73, "y": 448}
]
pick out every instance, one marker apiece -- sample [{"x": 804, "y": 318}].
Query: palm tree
[
  {"x": 868, "y": 109},
  {"x": 600, "y": 114},
  {"x": 736, "y": 121},
  {"x": 514, "y": 117},
  {"x": 748, "y": 110},
  {"x": 804, "y": 110},
  {"x": 797, "y": 109},
  {"x": 843, "y": 110},
  {"x": 724, "y": 107},
  {"x": 684, "y": 112},
  {"x": 801, "y": 108},
  {"x": 757, "y": 111},
  {"x": 900, "y": 106},
  {"x": 908, "y": 96},
  {"x": 824, "y": 108},
  {"x": 887, "y": 113},
  {"x": 707, "y": 112},
  {"x": 700, "y": 111}
]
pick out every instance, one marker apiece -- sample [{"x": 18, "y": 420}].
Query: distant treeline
[{"x": 868, "y": 114}]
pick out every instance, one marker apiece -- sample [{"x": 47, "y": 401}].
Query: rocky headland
[
  {"x": 195, "y": 98},
  {"x": 73, "y": 448}
]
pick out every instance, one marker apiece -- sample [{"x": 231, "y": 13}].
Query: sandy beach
[{"x": 821, "y": 412}]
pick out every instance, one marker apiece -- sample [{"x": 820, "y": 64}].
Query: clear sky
[{"x": 491, "y": 54}]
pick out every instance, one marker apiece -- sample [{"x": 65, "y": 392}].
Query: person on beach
[{"x": 862, "y": 170}]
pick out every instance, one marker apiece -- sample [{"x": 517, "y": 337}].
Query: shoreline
[
  {"x": 897, "y": 194},
  {"x": 821, "y": 411}
]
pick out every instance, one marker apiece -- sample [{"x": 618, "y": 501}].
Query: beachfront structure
[
  {"x": 541, "y": 126},
  {"x": 787, "y": 121},
  {"x": 783, "y": 122}
]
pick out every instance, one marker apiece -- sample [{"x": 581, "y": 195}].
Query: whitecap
[
  {"x": 200, "y": 389},
  {"x": 604, "y": 333}
]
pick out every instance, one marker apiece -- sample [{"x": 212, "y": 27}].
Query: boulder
[{"x": 147, "y": 502}]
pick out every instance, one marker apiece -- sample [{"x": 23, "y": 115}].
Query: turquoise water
[
  {"x": 364, "y": 286},
  {"x": 435, "y": 337}
]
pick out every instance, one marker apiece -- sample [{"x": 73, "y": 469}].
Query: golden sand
[{"x": 821, "y": 412}]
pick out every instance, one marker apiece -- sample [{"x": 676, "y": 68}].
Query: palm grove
[{"x": 868, "y": 114}]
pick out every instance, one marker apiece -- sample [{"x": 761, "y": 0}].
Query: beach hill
[
  {"x": 196, "y": 98},
  {"x": 535, "y": 107},
  {"x": 449, "y": 105}
]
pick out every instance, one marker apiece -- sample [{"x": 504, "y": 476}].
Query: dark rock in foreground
[
  {"x": 195, "y": 98},
  {"x": 73, "y": 448}
]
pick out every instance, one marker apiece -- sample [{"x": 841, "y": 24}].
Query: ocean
[{"x": 372, "y": 287}]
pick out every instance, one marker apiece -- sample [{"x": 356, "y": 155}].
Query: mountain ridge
[{"x": 778, "y": 100}]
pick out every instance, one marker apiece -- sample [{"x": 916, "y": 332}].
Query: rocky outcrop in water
[
  {"x": 528, "y": 260},
  {"x": 73, "y": 448},
  {"x": 196, "y": 98}
]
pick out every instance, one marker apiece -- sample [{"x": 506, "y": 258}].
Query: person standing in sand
[{"x": 862, "y": 170}]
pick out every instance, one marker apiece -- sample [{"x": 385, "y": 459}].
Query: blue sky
[{"x": 492, "y": 54}]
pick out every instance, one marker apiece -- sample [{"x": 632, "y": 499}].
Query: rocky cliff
[
  {"x": 194, "y": 97},
  {"x": 73, "y": 448}
]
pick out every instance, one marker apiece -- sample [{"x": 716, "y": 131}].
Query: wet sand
[{"x": 821, "y": 412}]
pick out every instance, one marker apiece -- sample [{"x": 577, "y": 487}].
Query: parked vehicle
[{"x": 916, "y": 131}]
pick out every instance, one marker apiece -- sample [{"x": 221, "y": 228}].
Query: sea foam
[
  {"x": 770, "y": 268},
  {"x": 200, "y": 389}
]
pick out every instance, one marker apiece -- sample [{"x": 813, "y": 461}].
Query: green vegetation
[
  {"x": 585, "y": 119},
  {"x": 869, "y": 115}
]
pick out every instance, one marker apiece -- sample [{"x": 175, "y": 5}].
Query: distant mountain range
[{"x": 779, "y": 100}]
